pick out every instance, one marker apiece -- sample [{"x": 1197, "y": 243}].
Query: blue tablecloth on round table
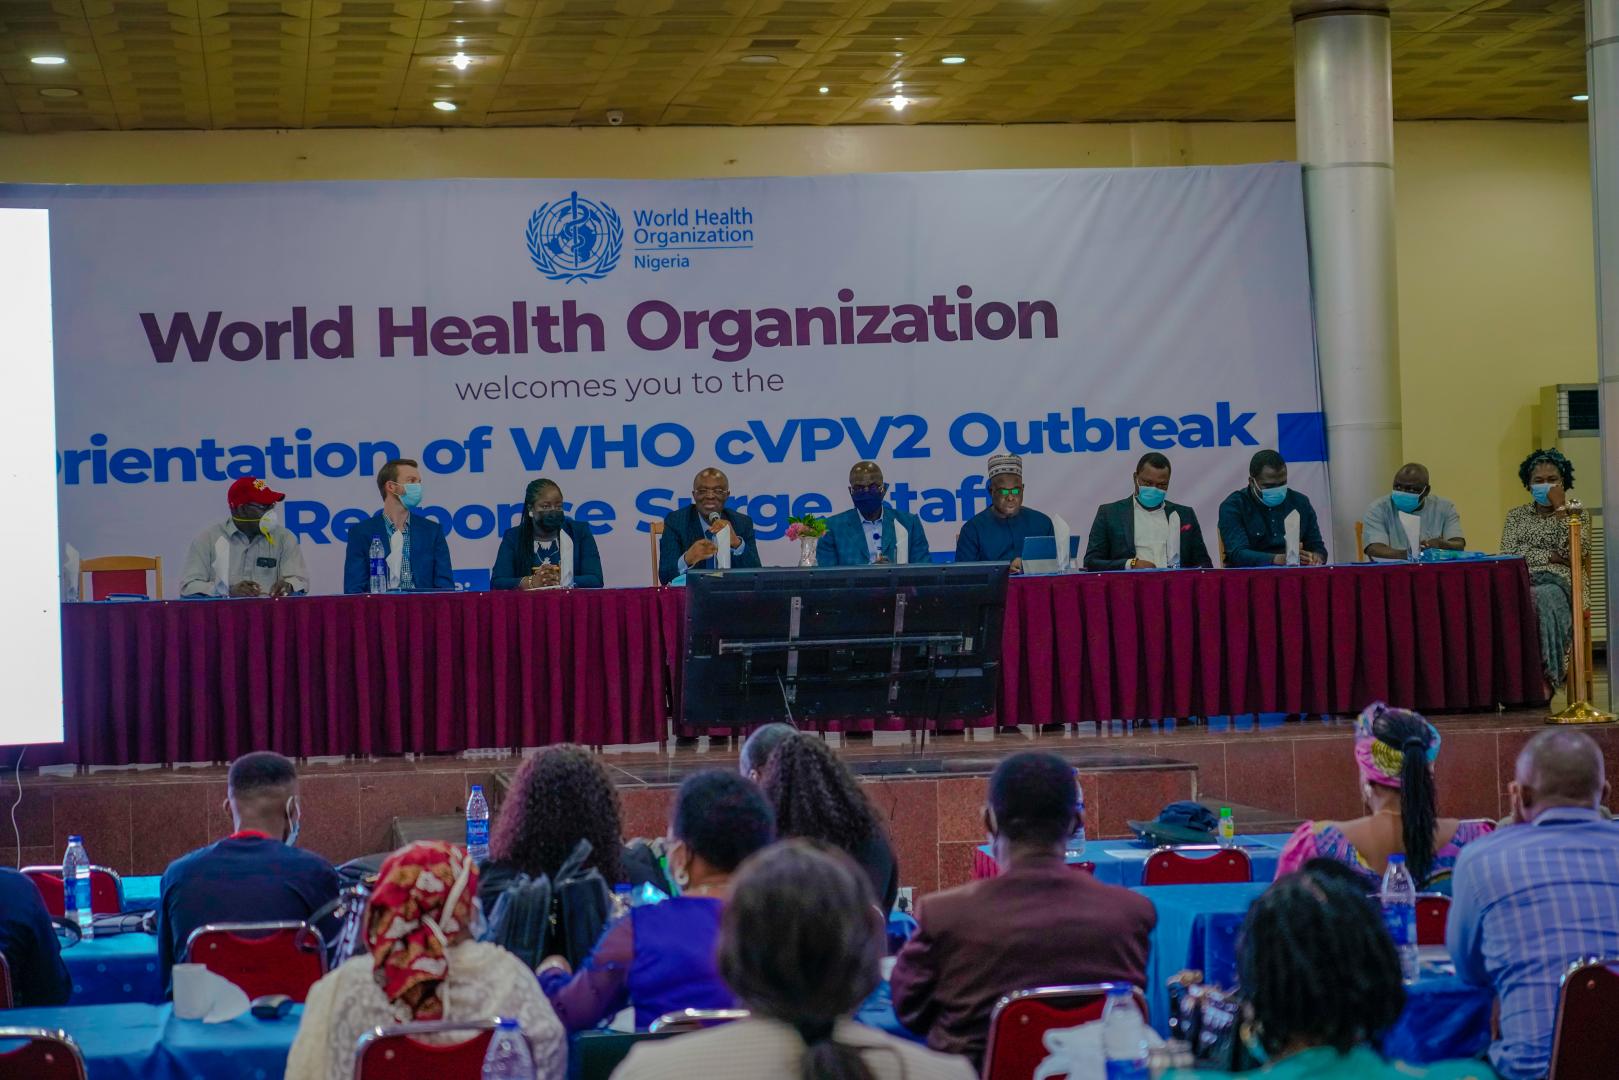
[
  {"x": 115, "y": 969},
  {"x": 145, "y": 1042},
  {"x": 1198, "y": 927},
  {"x": 140, "y": 893}
]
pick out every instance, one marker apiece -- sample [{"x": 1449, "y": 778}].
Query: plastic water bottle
[
  {"x": 508, "y": 1056},
  {"x": 379, "y": 566},
  {"x": 1399, "y": 898},
  {"x": 1228, "y": 828},
  {"x": 478, "y": 825},
  {"x": 1124, "y": 1037},
  {"x": 1075, "y": 851},
  {"x": 76, "y": 885}
]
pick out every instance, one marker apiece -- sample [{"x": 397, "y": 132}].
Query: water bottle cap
[
  {"x": 1119, "y": 991},
  {"x": 1396, "y": 858},
  {"x": 477, "y": 789},
  {"x": 1225, "y": 811},
  {"x": 74, "y": 838},
  {"x": 505, "y": 1022}
]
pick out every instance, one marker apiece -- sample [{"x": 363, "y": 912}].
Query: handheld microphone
[{"x": 712, "y": 518}]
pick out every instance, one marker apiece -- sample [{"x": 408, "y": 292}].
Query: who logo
[{"x": 574, "y": 239}]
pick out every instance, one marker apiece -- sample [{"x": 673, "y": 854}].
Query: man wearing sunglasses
[
  {"x": 871, "y": 532},
  {"x": 997, "y": 534},
  {"x": 250, "y": 554}
]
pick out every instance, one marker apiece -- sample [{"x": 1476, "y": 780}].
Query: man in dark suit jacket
[
  {"x": 428, "y": 566},
  {"x": 689, "y": 534},
  {"x": 1113, "y": 544},
  {"x": 869, "y": 532},
  {"x": 1040, "y": 923}
]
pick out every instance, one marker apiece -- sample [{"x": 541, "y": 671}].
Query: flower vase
[{"x": 806, "y": 550}]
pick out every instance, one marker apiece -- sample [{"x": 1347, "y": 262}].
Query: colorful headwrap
[
  {"x": 1379, "y": 762},
  {"x": 422, "y": 904}
]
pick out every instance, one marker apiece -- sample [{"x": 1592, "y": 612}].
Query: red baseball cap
[{"x": 251, "y": 491}]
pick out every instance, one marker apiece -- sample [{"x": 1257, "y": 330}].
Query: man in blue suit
[
  {"x": 424, "y": 562},
  {"x": 690, "y": 535},
  {"x": 870, "y": 532}
]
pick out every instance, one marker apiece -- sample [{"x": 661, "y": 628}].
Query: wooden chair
[
  {"x": 398, "y": 1053},
  {"x": 657, "y": 539},
  {"x": 1360, "y": 541},
  {"x": 1433, "y": 913},
  {"x": 43, "y": 1055},
  {"x": 678, "y": 1023},
  {"x": 1222, "y": 866},
  {"x": 262, "y": 958},
  {"x": 121, "y": 574},
  {"x": 1585, "y": 1040},
  {"x": 1020, "y": 1020}
]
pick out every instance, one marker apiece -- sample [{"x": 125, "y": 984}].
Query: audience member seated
[
  {"x": 1395, "y": 750},
  {"x": 1040, "y": 923},
  {"x": 561, "y": 795},
  {"x": 421, "y": 963},
  {"x": 815, "y": 795},
  {"x": 1321, "y": 983},
  {"x": 1539, "y": 895},
  {"x": 660, "y": 957},
  {"x": 800, "y": 942},
  {"x": 256, "y": 874},
  {"x": 28, "y": 942},
  {"x": 1538, "y": 530},
  {"x": 758, "y": 747}
]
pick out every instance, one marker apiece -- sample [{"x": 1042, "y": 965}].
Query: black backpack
[{"x": 539, "y": 917}]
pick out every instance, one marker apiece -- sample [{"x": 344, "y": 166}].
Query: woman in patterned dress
[{"x": 1538, "y": 531}]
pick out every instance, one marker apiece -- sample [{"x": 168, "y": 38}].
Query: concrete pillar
[
  {"x": 1345, "y": 121},
  {"x": 1602, "y": 83}
]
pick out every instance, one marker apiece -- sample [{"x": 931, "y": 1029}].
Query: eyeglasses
[
  {"x": 700, "y": 492},
  {"x": 1007, "y": 493},
  {"x": 866, "y": 489}
]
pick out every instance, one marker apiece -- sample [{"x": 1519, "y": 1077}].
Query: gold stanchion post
[{"x": 1579, "y": 711}]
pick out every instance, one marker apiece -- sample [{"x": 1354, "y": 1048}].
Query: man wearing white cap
[{"x": 997, "y": 534}]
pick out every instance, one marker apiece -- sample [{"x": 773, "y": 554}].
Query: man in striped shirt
[{"x": 1531, "y": 899}]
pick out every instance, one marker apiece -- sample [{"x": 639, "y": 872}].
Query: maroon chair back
[
  {"x": 1585, "y": 1043},
  {"x": 1222, "y": 866},
  {"x": 106, "y": 889},
  {"x": 1433, "y": 913},
  {"x": 262, "y": 958},
  {"x": 1088, "y": 867},
  {"x": 399, "y": 1052},
  {"x": 42, "y": 1055},
  {"x": 1018, "y": 1025},
  {"x": 5, "y": 983}
]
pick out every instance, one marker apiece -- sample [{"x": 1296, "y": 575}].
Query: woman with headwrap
[
  {"x": 800, "y": 943},
  {"x": 1538, "y": 530},
  {"x": 1395, "y": 750},
  {"x": 422, "y": 963},
  {"x": 547, "y": 549}
]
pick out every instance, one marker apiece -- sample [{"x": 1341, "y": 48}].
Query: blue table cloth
[
  {"x": 146, "y": 1042},
  {"x": 1121, "y": 862},
  {"x": 116, "y": 969},
  {"x": 140, "y": 893}
]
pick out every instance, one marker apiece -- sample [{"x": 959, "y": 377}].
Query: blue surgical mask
[
  {"x": 1542, "y": 493},
  {"x": 867, "y": 502},
  {"x": 1274, "y": 496},
  {"x": 411, "y": 497},
  {"x": 1405, "y": 502},
  {"x": 1151, "y": 498}
]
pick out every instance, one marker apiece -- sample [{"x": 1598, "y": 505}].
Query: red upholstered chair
[
  {"x": 106, "y": 889},
  {"x": 5, "y": 983},
  {"x": 1585, "y": 1041},
  {"x": 262, "y": 958},
  {"x": 1088, "y": 867},
  {"x": 678, "y": 1023},
  {"x": 1433, "y": 912},
  {"x": 1018, "y": 1025},
  {"x": 396, "y": 1052},
  {"x": 121, "y": 574},
  {"x": 41, "y": 1055},
  {"x": 1222, "y": 866}
]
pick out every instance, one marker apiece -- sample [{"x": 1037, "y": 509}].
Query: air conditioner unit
[{"x": 1569, "y": 420}]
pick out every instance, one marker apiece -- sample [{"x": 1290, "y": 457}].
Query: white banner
[{"x": 618, "y": 336}]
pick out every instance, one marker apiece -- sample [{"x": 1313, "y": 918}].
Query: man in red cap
[{"x": 252, "y": 554}]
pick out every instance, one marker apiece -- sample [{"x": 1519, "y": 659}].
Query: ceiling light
[
  {"x": 49, "y": 61},
  {"x": 444, "y": 106},
  {"x": 460, "y": 41},
  {"x": 58, "y": 92},
  {"x": 1582, "y": 97},
  {"x": 899, "y": 101},
  {"x": 759, "y": 58},
  {"x": 825, "y": 90},
  {"x": 899, "y": 54},
  {"x": 899, "y": 85},
  {"x": 461, "y": 61},
  {"x": 952, "y": 59}
]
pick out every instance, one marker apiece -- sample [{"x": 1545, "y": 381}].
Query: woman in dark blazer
[{"x": 532, "y": 553}]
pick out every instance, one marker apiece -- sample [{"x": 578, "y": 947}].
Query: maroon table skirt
[{"x": 437, "y": 673}]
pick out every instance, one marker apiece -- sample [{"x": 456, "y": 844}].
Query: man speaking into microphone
[{"x": 705, "y": 535}]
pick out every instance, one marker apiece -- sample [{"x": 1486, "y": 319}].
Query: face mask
[
  {"x": 295, "y": 821},
  {"x": 548, "y": 522},
  {"x": 1405, "y": 502},
  {"x": 411, "y": 497},
  {"x": 1275, "y": 496},
  {"x": 867, "y": 502},
  {"x": 1542, "y": 493},
  {"x": 1151, "y": 498}
]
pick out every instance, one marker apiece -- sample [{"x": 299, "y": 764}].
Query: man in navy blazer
[
  {"x": 425, "y": 562},
  {"x": 867, "y": 533},
  {"x": 689, "y": 534},
  {"x": 1134, "y": 533}
]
